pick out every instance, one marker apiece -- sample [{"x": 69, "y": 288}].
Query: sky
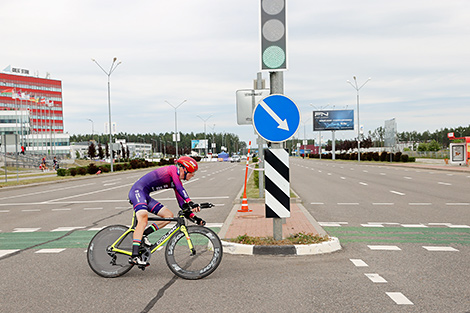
[{"x": 416, "y": 52}]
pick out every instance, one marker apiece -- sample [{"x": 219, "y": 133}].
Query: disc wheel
[
  {"x": 105, "y": 262},
  {"x": 202, "y": 262}
]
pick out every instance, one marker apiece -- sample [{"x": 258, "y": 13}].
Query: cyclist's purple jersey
[{"x": 161, "y": 178}]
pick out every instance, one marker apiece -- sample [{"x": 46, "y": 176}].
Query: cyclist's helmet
[{"x": 188, "y": 163}]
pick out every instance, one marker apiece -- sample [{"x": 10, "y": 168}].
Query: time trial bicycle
[{"x": 192, "y": 252}]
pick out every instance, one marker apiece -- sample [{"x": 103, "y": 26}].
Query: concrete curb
[{"x": 318, "y": 248}]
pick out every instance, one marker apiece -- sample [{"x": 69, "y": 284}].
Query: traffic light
[{"x": 273, "y": 35}]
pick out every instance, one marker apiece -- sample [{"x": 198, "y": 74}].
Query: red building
[
  {"x": 42, "y": 97},
  {"x": 31, "y": 107}
]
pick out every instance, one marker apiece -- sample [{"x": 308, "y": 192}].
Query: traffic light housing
[{"x": 273, "y": 30}]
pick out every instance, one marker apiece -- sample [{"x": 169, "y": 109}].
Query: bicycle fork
[{"x": 188, "y": 239}]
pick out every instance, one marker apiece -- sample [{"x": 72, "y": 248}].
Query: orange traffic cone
[{"x": 244, "y": 206}]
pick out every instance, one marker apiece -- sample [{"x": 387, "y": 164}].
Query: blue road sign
[{"x": 276, "y": 118}]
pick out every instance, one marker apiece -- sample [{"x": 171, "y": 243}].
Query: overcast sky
[{"x": 416, "y": 52}]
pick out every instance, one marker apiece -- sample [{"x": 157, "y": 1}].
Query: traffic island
[{"x": 255, "y": 224}]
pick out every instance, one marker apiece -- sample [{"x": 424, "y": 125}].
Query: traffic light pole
[{"x": 276, "y": 83}]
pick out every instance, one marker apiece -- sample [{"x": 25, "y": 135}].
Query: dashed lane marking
[
  {"x": 397, "y": 192},
  {"x": 358, "y": 263},
  {"x": 49, "y": 250},
  {"x": 399, "y": 298},
  {"x": 375, "y": 278},
  {"x": 438, "y": 248},
  {"x": 25, "y": 230},
  {"x": 6, "y": 252},
  {"x": 386, "y": 248}
]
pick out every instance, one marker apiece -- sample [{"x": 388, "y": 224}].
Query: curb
[{"x": 318, "y": 248}]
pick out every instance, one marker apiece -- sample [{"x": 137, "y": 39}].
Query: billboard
[
  {"x": 199, "y": 144},
  {"x": 333, "y": 120},
  {"x": 390, "y": 138}
]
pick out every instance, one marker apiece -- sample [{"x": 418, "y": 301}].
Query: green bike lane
[
  {"x": 388, "y": 235},
  {"x": 57, "y": 239}
]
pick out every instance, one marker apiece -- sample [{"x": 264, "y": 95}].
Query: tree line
[{"x": 163, "y": 142}]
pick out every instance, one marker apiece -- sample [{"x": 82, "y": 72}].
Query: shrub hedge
[{"x": 367, "y": 156}]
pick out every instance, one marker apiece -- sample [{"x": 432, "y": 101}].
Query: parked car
[{"x": 235, "y": 158}]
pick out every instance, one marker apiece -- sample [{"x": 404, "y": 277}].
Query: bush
[
  {"x": 82, "y": 170},
  {"x": 61, "y": 172},
  {"x": 92, "y": 169},
  {"x": 397, "y": 157},
  {"x": 73, "y": 171},
  {"x": 383, "y": 156},
  {"x": 404, "y": 157}
]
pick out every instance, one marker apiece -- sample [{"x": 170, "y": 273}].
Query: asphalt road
[{"x": 51, "y": 224}]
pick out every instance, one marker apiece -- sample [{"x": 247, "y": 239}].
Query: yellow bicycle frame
[{"x": 159, "y": 243}]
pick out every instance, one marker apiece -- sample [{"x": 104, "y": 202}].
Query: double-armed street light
[
  {"x": 355, "y": 86},
  {"x": 176, "y": 127},
  {"x": 205, "y": 120},
  {"x": 114, "y": 65}
]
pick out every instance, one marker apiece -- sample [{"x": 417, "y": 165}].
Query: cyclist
[{"x": 161, "y": 178}]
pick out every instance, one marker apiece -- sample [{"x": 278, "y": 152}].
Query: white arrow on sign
[{"x": 282, "y": 123}]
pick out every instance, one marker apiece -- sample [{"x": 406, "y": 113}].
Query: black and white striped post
[{"x": 277, "y": 198}]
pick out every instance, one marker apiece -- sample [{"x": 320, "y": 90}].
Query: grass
[{"x": 296, "y": 239}]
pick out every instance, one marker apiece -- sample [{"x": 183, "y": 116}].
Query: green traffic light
[{"x": 274, "y": 57}]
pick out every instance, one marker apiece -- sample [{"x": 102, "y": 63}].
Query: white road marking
[
  {"x": 4, "y": 211},
  {"x": 364, "y": 184},
  {"x": 372, "y": 225},
  {"x": 459, "y": 226},
  {"x": 388, "y": 248},
  {"x": 419, "y": 203},
  {"x": 397, "y": 192},
  {"x": 399, "y": 298},
  {"x": 406, "y": 177},
  {"x": 437, "y": 248},
  {"x": 31, "y": 210},
  {"x": 25, "y": 230},
  {"x": 348, "y": 203},
  {"x": 317, "y": 203},
  {"x": 64, "y": 209},
  {"x": 67, "y": 228},
  {"x": 383, "y": 203},
  {"x": 445, "y": 184},
  {"x": 45, "y": 191},
  {"x": 6, "y": 252},
  {"x": 359, "y": 263},
  {"x": 343, "y": 177},
  {"x": 93, "y": 209},
  {"x": 49, "y": 250},
  {"x": 414, "y": 225},
  {"x": 461, "y": 203},
  {"x": 376, "y": 278}
]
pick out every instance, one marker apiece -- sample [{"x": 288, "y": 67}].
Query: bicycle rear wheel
[
  {"x": 107, "y": 263},
  {"x": 205, "y": 260}
]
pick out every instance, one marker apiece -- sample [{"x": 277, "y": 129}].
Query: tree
[
  {"x": 92, "y": 151},
  {"x": 100, "y": 151},
  {"x": 434, "y": 146}
]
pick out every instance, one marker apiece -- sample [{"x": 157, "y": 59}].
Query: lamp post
[
  {"x": 176, "y": 127},
  {"x": 92, "y": 129},
  {"x": 114, "y": 65},
  {"x": 205, "y": 120},
  {"x": 355, "y": 86}
]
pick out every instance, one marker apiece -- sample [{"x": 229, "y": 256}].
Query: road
[{"x": 51, "y": 224}]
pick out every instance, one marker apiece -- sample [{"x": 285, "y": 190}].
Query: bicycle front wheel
[
  {"x": 199, "y": 262},
  {"x": 102, "y": 260}
]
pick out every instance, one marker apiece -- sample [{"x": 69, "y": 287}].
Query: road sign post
[{"x": 276, "y": 118}]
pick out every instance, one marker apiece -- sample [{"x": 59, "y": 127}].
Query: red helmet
[{"x": 188, "y": 163}]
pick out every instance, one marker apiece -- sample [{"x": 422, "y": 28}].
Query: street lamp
[
  {"x": 355, "y": 86},
  {"x": 114, "y": 65},
  {"x": 92, "y": 129},
  {"x": 205, "y": 120},
  {"x": 176, "y": 128}
]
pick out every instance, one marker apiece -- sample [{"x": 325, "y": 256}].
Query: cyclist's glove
[{"x": 190, "y": 205}]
